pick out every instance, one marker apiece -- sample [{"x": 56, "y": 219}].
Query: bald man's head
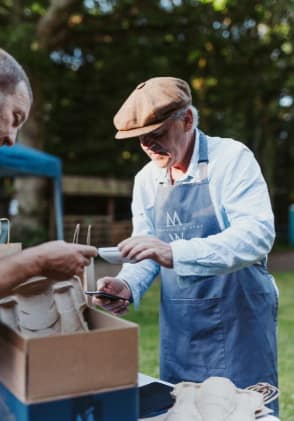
[
  {"x": 11, "y": 74},
  {"x": 15, "y": 98}
]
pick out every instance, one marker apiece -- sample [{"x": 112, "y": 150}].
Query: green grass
[
  {"x": 286, "y": 344},
  {"x": 147, "y": 318}
]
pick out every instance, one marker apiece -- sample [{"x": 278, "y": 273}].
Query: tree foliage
[{"x": 85, "y": 57}]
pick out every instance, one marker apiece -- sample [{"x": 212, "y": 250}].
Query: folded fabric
[{"x": 216, "y": 399}]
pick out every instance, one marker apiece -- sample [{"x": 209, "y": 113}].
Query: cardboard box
[{"x": 70, "y": 365}]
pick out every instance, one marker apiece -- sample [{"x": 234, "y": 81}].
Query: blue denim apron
[{"x": 221, "y": 325}]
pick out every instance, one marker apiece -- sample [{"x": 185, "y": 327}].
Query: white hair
[{"x": 180, "y": 114}]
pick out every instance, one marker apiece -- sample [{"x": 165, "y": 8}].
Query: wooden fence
[{"x": 104, "y": 231}]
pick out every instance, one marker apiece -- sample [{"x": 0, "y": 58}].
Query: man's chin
[{"x": 161, "y": 161}]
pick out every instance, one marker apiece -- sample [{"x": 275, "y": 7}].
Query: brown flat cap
[{"x": 150, "y": 104}]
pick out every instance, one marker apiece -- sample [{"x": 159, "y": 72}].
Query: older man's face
[
  {"x": 169, "y": 146},
  {"x": 14, "y": 110}
]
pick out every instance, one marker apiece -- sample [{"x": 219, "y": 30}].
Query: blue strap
[{"x": 203, "y": 153}]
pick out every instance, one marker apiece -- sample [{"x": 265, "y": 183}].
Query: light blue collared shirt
[{"x": 242, "y": 206}]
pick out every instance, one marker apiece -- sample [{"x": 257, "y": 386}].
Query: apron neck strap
[
  {"x": 203, "y": 152},
  {"x": 203, "y": 156}
]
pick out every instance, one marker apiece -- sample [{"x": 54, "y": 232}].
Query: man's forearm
[
  {"x": 56, "y": 260},
  {"x": 18, "y": 268}
]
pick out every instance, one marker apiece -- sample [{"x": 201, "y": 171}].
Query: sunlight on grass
[{"x": 147, "y": 318}]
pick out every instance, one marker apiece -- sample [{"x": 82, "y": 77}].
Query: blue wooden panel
[{"x": 108, "y": 406}]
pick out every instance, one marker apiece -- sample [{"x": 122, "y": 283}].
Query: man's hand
[
  {"x": 117, "y": 287},
  {"x": 147, "y": 247},
  {"x": 61, "y": 260}
]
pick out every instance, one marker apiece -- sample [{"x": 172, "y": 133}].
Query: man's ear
[{"x": 188, "y": 120}]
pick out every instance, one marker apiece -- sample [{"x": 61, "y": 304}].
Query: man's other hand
[{"x": 116, "y": 287}]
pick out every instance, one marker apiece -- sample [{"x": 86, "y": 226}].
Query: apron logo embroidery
[
  {"x": 176, "y": 236},
  {"x": 173, "y": 220}
]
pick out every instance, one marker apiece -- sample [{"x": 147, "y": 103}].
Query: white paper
[{"x": 112, "y": 255}]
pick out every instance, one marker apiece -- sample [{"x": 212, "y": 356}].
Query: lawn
[{"x": 147, "y": 318}]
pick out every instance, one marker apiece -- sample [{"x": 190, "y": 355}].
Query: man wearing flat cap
[{"x": 202, "y": 219}]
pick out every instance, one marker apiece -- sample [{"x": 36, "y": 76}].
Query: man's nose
[
  {"x": 7, "y": 140},
  {"x": 146, "y": 140}
]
